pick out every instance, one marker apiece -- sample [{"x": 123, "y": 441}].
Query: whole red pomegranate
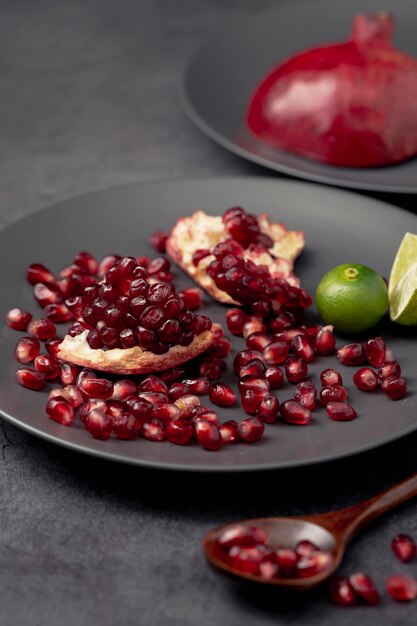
[{"x": 350, "y": 104}]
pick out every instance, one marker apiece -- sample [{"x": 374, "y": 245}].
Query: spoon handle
[{"x": 362, "y": 514}]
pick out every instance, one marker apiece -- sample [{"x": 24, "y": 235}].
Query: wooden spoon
[{"x": 331, "y": 532}]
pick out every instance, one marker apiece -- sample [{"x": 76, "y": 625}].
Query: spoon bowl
[{"x": 331, "y": 532}]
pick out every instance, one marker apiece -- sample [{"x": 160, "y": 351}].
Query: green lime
[
  {"x": 402, "y": 287},
  {"x": 352, "y": 297}
]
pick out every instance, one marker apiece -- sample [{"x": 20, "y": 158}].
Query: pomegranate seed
[
  {"x": 158, "y": 240},
  {"x": 202, "y": 412},
  {"x": 97, "y": 388},
  {"x": 253, "y": 382},
  {"x": 242, "y": 535},
  {"x": 389, "y": 370},
  {"x": 27, "y": 349},
  {"x": 282, "y": 321},
  {"x": 235, "y": 319},
  {"x": 173, "y": 375},
  {"x": 91, "y": 405},
  {"x": 228, "y": 431},
  {"x": 192, "y": 298},
  {"x": 365, "y": 379},
  {"x": 41, "y": 329},
  {"x": 177, "y": 390},
  {"x": 247, "y": 559},
  {"x": 52, "y": 345},
  {"x": 243, "y": 357},
  {"x": 212, "y": 367},
  {"x": 268, "y": 409},
  {"x": 365, "y": 588},
  {"x": 30, "y": 378},
  {"x": 125, "y": 426},
  {"x": 251, "y": 399},
  {"x": 401, "y": 587},
  {"x": 404, "y": 548},
  {"x": 306, "y": 394},
  {"x": 330, "y": 377},
  {"x": 288, "y": 334},
  {"x": 87, "y": 262},
  {"x": 254, "y": 324},
  {"x": 333, "y": 393},
  {"x": 287, "y": 559},
  {"x": 258, "y": 341},
  {"x": 98, "y": 424},
  {"x": 222, "y": 395},
  {"x": 58, "y": 313},
  {"x": 220, "y": 348},
  {"x": 294, "y": 413},
  {"x": 250, "y": 429},
  {"x": 122, "y": 389},
  {"x": 48, "y": 365},
  {"x": 197, "y": 386},
  {"x": 153, "y": 383},
  {"x": 165, "y": 412},
  {"x": 375, "y": 351},
  {"x": 199, "y": 255},
  {"x": 69, "y": 373},
  {"x": 38, "y": 273},
  {"x": 60, "y": 410},
  {"x": 305, "y": 548},
  {"x": 324, "y": 343},
  {"x": 153, "y": 397},
  {"x": 295, "y": 369},
  {"x": 141, "y": 410},
  {"x": 186, "y": 404},
  {"x": 341, "y": 592},
  {"x": 351, "y": 354},
  {"x": 18, "y": 319},
  {"x": 114, "y": 408},
  {"x": 70, "y": 393},
  {"x": 208, "y": 435},
  {"x": 268, "y": 569},
  {"x": 302, "y": 348},
  {"x": 179, "y": 432},
  {"x": 252, "y": 368},
  {"x": 106, "y": 264},
  {"x": 313, "y": 563},
  {"x": 274, "y": 376},
  {"x": 395, "y": 388},
  {"x": 340, "y": 411},
  {"x": 275, "y": 353}
]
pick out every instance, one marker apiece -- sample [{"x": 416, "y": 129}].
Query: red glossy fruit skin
[{"x": 347, "y": 104}]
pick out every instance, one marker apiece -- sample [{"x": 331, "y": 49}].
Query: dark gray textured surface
[{"x": 88, "y": 99}]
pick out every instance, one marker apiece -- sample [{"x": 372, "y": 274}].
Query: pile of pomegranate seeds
[{"x": 246, "y": 550}]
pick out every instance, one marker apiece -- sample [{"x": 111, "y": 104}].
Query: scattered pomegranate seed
[
  {"x": 324, "y": 343},
  {"x": 177, "y": 390},
  {"x": 69, "y": 373},
  {"x": 389, "y": 370},
  {"x": 208, "y": 435},
  {"x": 27, "y": 349},
  {"x": 251, "y": 399},
  {"x": 179, "y": 431},
  {"x": 275, "y": 353},
  {"x": 97, "y": 388},
  {"x": 60, "y": 410},
  {"x": 192, "y": 298},
  {"x": 253, "y": 382},
  {"x": 243, "y": 357},
  {"x": 275, "y": 377},
  {"x": 365, "y": 588},
  {"x": 98, "y": 424},
  {"x": 252, "y": 368},
  {"x": 375, "y": 351},
  {"x": 333, "y": 393},
  {"x": 153, "y": 430},
  {"x": 340, "y": 411},
  {"x": 251, "y": 429},
  {"x": 235, "y": 319},
  {"x": 197, "y": 386},
  {"x": 222, "y": 395},
  {"x": 212, "y": 367},
  {"x": 366, "y": 379},
  {"x": 306, "y": 394},
  {"x": 186, "y": 404},
  {"x": 58, "y": 313},
  {"x": 330, "y": 377},
  {"x": 153, "y": 383},
  {"x": 268, "y": 409},
  {"x": 302, "y": 348},
  {"x": 401, "y": 587},
  {"x": 70, "y": 393},
  {"x": 154, "y": 397},
  {"x": 41, "y": 329},
  {"x": 158, "y": 240},
  {"x": 351, "y": 354},
  {"x": 254, "y": 324},
  {"x": 18, "y": 319},
  {"x": 48, "y": 365},
  {"x": 125, "y": 426},
  {"x": 404, "y": 548},
  {"x": 220, "y": 348},
  {"x": 165, "y": 413},
  {"x": 295, "y": 369},
  {"x": 228, "y": 431},
  {"x": 114, "y": 408},
  {"x": 38, "y": 273},
  {"x": 202, "y": 412},
  {"x": 258, "y": 341},
  {"x": 395, "y": 388},
  {"x": 122, "y": 389},
  {"x": 341, "y": 592},
  {"x": 30, "y": 378},
  {"x": 294, "y": 413}
]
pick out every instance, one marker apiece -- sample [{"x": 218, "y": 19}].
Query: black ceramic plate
[
  {"x": 218, "y": 82},
  {"x": 339, "y": 227}
]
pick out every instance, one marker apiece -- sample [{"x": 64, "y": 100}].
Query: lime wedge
[
  {"x": 403, "y": 299},
  {"x": 405, "y": 258}
]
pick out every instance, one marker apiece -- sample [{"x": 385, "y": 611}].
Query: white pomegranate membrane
[{"x": 130, "y": 303}]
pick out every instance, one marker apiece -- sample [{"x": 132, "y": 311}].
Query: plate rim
[{"x": 111, "y": 456}]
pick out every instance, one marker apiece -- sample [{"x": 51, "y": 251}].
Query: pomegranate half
[{"x": 351, "y": 104}]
